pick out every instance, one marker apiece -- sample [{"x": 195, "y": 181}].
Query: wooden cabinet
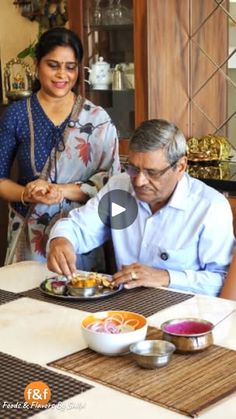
[
  {"x": 180, "y": 55},
  {"x": 122, "y": 43},
  {"x": 187, "y": 74}
]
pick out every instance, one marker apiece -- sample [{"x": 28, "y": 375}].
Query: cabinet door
[
  {"x": 187, "y": 50},
  {"x": 114, "y": 40}
]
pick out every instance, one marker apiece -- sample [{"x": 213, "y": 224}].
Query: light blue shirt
[{"x": 194, "y": 229}]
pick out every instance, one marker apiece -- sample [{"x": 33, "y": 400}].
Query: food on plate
[
  {"x": 83, "y": 284},
  {"x": 91, "y": 280},
  {"x": 55, "y": 286}
]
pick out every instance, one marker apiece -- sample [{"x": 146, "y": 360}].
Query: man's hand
[
  {"x": 61, "y": 257},
  {"x": 138, "y": 275}
]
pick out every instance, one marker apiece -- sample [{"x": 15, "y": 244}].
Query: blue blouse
[{"x": 15, "y": 141}]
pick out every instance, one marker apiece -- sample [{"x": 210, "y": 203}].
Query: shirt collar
[{"x": 178, "y": 199}]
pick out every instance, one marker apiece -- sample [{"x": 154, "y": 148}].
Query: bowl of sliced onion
[{"x": 112, "y": 332}]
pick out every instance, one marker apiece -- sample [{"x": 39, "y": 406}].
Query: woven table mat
[
  {"x": 17, "y": 374},
  {"x": 187, "y": 385},
  {"x": 7, "y": 296},
  {"x": 145, "y": 301}
]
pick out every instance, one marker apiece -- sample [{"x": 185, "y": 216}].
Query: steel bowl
[
  {"x": 81, "y": 291},
  {"x": 188, "y": 334},
  {"x": 152, "y": 353}
]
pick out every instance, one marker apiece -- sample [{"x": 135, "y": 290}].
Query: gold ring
[{"x": 133, "y": 276}]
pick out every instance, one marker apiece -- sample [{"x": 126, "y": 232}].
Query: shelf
[
  {"x": 115, "y": 43},
  {"x": 100, "y": 28}
]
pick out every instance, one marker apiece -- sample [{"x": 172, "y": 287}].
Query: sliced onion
[
  {"x": 96, "y": 326},
  {"x": 125, "y": 328},
  {"x": 113, "y": 325},
  {"x": 116, "y": 317},
  {"x": 110, "y": 327},
  {"x": 132, "y": 322}
]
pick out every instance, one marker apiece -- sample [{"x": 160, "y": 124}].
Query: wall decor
[
  {"x": 48, "y": 13},
  {"x": 18, "y": 79}
]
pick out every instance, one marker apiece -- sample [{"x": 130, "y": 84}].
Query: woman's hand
[
  {"x": 139, "y": 275},
  {"x": 36, "y": 187},
  {"x": 40, "y": 191}
]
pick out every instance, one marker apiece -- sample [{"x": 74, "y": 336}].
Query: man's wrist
[{"x": 166, "y": 279}]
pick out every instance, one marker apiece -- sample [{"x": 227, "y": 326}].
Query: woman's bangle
[{"x": 22, "y": 198}]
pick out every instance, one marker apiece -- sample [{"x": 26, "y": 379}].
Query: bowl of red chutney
[{"x": 188, "y": 334}]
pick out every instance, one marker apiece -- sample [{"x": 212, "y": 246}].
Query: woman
[
  {"x": 65, "y": 146},
  {"x": 229, "y": 289}
]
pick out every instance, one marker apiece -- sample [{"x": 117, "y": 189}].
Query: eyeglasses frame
[{"x": 147, "y": 175}]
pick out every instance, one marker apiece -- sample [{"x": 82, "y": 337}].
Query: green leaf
[{"x": 27, "y": 52}]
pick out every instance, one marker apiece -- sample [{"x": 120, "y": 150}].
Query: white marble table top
[{"x": 41, "y": 332}]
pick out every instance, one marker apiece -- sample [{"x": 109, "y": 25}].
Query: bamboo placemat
[
  {"x": 7, "y": 296},
  {"x": 189, "y": 384},
  {"x": 17, "y": 374},
  {"x": 145, "y": 301}
]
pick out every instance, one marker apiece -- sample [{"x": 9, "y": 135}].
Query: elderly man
[{"x": 182, "y": 235}]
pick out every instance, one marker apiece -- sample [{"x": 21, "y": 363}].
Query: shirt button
[
  {"x": 164, "y": 256},
  {"x": 71, "y": 124}
]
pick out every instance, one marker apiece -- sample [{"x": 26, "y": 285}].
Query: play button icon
[{"x": 118, "y": 209}]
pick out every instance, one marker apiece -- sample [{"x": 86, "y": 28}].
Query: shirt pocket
[{"x": 178, "y": 259}]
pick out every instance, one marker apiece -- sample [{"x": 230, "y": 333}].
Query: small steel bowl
[
  {"x": 188, "y": 334},
  {"x": 58, "y": 287},
  {"x": 81, "y": 291},
  {"x": 152, "y": 353}
]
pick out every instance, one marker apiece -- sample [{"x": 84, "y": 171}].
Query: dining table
[{"x": 36, "y": 332}]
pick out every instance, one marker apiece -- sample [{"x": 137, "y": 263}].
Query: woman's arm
[
  {"x": 13, "y": 192},
  {"x": 229, "y": 288},
  {"x": 42, "y": 191},
  {"x": 10, "y": 191}
]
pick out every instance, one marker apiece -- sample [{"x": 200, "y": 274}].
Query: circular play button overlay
[{"x": 118, "y": 209}]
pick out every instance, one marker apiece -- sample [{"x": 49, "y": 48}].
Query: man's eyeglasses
[{"x": 153, "y": 174}]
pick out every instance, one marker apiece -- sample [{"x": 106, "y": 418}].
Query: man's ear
[{"x": 182, "y": 164}]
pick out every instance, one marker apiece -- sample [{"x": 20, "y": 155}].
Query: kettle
[
  {"x": 123, "y": 76},
  {"x": 100, "y": 74}
]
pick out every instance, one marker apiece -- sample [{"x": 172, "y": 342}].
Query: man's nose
[{"x": 140, "y": 179}]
